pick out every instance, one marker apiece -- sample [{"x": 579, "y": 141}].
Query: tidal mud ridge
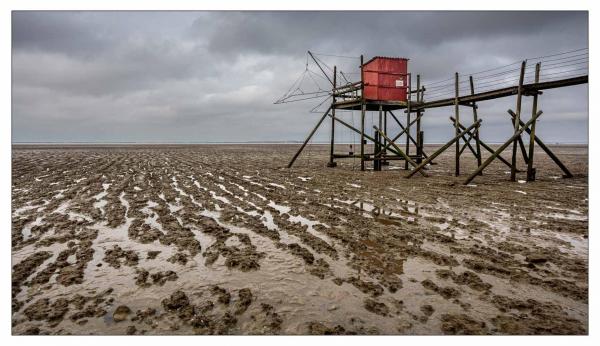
[{"x": 223, "y": 239}]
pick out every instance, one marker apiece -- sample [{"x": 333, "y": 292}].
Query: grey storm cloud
[{"x": 213, "y": 76}]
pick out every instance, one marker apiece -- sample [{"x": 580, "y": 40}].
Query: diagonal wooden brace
[
  {"x": 442, "y": 149},
  {"x": 309, "y": 137},
  {"x": 504, "y": 146},
  {"x": 403, "y": 131},
  {"x": 547, "y": 150},
  {"x": 486, "y": 147},
  {"x": 358, "y": 131},
  {"x": 406, "y": 157}
]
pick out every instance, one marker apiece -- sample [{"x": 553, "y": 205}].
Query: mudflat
[{"x": 223, "y": 239}]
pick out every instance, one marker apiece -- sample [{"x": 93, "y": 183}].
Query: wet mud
[{"x": 224, "y": 239}]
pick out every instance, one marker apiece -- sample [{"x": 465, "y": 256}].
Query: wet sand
[{"x": 222, "y": 239}]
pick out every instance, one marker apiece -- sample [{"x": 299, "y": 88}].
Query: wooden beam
[
  {"x": 319, "y": 65},
  {"x": 504, "y": 92}
]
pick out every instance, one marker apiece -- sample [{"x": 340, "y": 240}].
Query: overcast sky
[{"x": 213, "y": 76}]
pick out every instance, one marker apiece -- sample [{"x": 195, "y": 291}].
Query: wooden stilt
[
  {"x": 530, "y": 169},
  {"x": 408, "y": 97},
  {"x": 362, "y": 116},
  {"x": 457, "y": 117},
  {"x": 475, "y": 116},
  {"x": 504, "y": 146},
  {"x": 419, "y": 132},
  {"x": 385, "y": 140},
  {"x": 513, "y": 171},
  {"x": 331, "y": 149}
]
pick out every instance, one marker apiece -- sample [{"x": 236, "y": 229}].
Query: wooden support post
[
  {"x": 385, "y": 140},
  {"x": 457, "y": 117},
  {"x": 378, "y": 143},
  {"x": 504, "y": 146},
  {"x": 513, "y": 171},
  {"x": 442, "y": 149},
  {"x": 362, "y": 116},
  {"x": 486, "y": 147},
  {"x": 309, "y": 137},
  {"x": 406, "y": 157},
  {"x": 362, "y": 136},
  {"x": 420, "y": 141},
  {"x": 530, "y": 169},
  {"x": 408, "y": 97},
  {"x": 477, "y": 143},
  {"x": 567, "y": 173},
  {"x": 331, "y": 161},
  {"x": 419, "y": 132}
]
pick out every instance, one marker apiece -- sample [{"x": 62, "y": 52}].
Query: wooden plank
[{"x": 504, "y": 92}]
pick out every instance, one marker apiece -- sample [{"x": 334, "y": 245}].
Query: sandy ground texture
[{"x": 223, "y": 239}]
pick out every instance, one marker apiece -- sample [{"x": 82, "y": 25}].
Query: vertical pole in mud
[
  {"x": 385, "y": 162},
  {"x": 513, "y": 170},
  {"x": 419, "y": 134},
  {"x": 362, "y": 116},
  {"x": 378, "y": 142},
  {"x": 530, "y": 169},
  {"x": 408, "y": 121},
  {"x": 456, "y": 131},
  {"x": 477, "y": 143},
  {"x": 331, "y": 162}
]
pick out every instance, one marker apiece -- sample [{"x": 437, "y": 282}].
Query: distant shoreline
[{"x": 114, "y": 144}]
